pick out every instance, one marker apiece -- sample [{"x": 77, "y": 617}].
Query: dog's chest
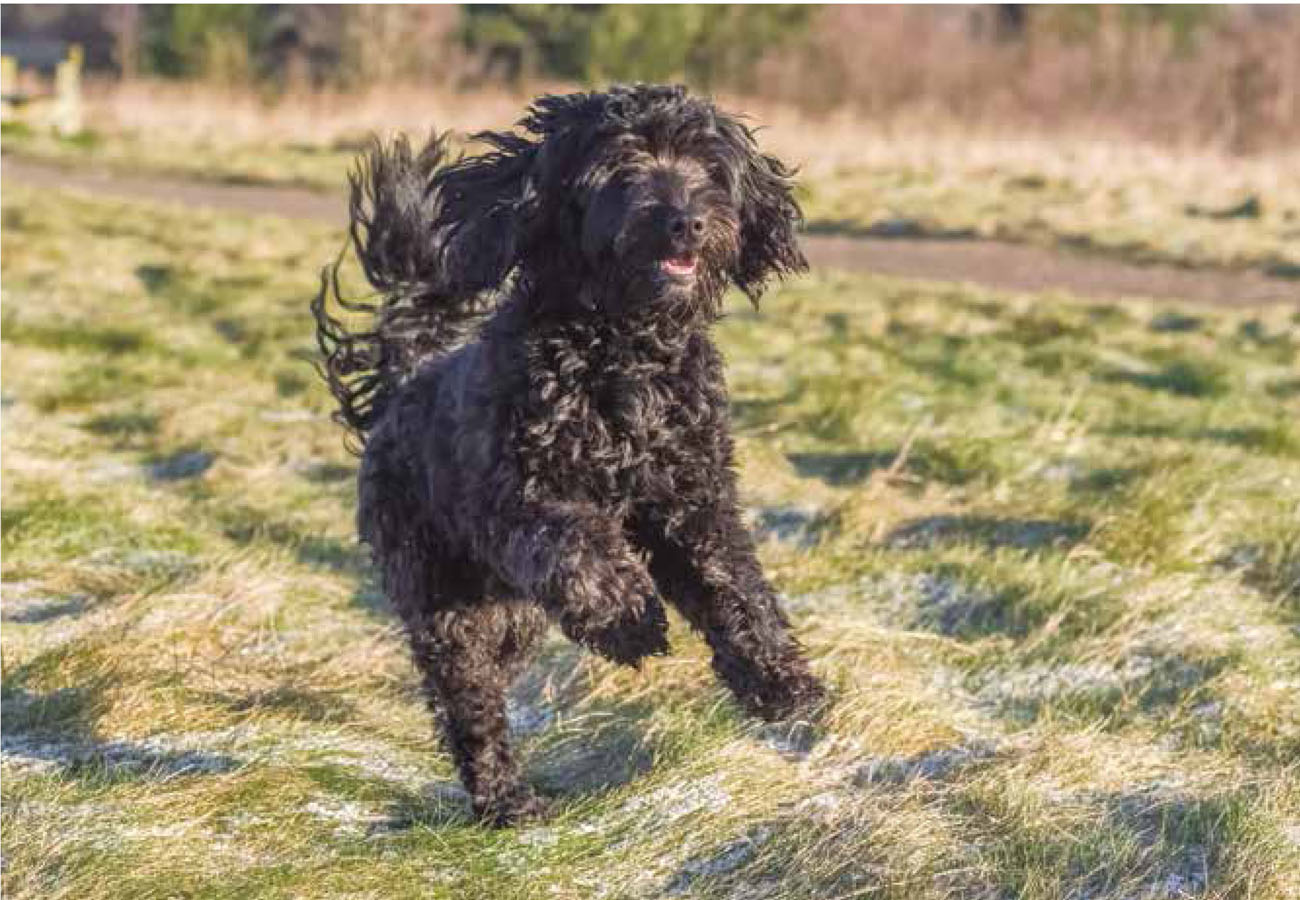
[{"x": 621, "y": 430}]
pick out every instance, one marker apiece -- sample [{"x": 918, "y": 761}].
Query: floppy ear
[
  {"x": 769, "y": 214},
  {"x": 484, "y": 202}
]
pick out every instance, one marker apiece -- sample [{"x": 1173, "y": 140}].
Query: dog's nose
[{"x": 682, "y": 224}]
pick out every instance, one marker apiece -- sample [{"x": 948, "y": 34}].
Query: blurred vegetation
[
  {"x": 707, "y": 45},
  {"x": 1178, "y": 74},
  {"x": 592, "y": 43},
  {"x": 1081, "y": 22},
  {"x": 220, "y": 41}
]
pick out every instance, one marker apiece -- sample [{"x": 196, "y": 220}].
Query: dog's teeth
[{"x": 679, "y": 265}]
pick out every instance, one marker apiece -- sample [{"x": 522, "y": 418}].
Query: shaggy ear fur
[
  {"x": 393, "y": 208},
  {"x": 485, "y": 201},
  {"x": 769, "y": 214}
]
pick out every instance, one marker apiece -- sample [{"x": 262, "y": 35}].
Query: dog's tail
[{"x": 398, "y": 232}]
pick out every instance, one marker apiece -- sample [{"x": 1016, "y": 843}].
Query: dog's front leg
[
  {"x": 575, "y": 560},
  {"x": 708, "y": 569}
]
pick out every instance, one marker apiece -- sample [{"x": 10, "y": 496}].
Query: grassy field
[
  {"x": 1148, "y": 212},
  {"x": 1047, "y": 553},
  {"x": 1138, "y": 203}
]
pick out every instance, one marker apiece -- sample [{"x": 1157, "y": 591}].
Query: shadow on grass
[
  {"x": 289, "y": 701},
  {"x": 1106, "y": 480},
  {"x": 64, "y": 335},
  {"x": 1113, "y": 695},
  {"x": 133, "y": 428},
  {"x": 990, "y": 531},
  {"x": 1273, "y": 569},
  {"x": 606, "y": 751},
  {"x": 33, "y": 611},
  {"x": 841, "y": 469},
  {"x": 112, "y": 761},
  {"x": 1153, "y": 841},
  {"x": 246, "y": 525},
  {"x": 155, "y": 278},
  {"x": 1284, "y": 388},
  {"x": 720, "y": 862},
  {"x": 60, "y": 713},
  {"x": 759, "y": 413},
  {"x": 1184, "y": 378},
  {"x": 53, "y": 732},
  {"x": 800, "y": 527},
  {"x": 181, "y": 290},
  {"x": 818, "y": 851},
  {"x": 1279, "y": 439},
  {"x": 180, "y": 466},
  {"x": 933, "y": 765},
  {"x": 328, "y": 473},
  {"x": 574, "y": 747},
  {"x": 886, "y": 229},
  {"x": 1175, "y": 322},
  {"x": 942, "y": 357},
  {"x": 950, "y": 462},
  {"x": 1163, "y": 843},
  {"x": 944, "y": 604},
  {"x": 331, "y": 553},
  {"x": 370, "y": 596},
  {"x": 440, "y": 805}
]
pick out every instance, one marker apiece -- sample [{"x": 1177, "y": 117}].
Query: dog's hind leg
[
  {"x": 467, "y": 643},
  {"x": 469, "y": 654}
]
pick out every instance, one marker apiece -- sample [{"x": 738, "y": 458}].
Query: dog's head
[{"x": 640, "y": 198}]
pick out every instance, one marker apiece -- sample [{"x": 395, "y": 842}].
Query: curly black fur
[{"x": 543, "y": 412}]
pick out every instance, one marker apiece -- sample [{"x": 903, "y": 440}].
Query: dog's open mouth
[{"x": 680, "y": 266}]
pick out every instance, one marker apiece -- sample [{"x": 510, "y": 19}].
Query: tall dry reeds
[
  {"x": 1228, "y": 78},
  {"x": 1227, "y": 84}
]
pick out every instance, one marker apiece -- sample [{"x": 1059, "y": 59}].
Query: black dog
[{"x": 543, "y": 412}]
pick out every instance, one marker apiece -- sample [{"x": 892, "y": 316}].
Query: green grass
[
  {"x": 229, "y": 162},
  {"x": 1151, "y": 212},
  {"x": 1046, "y": 552}
]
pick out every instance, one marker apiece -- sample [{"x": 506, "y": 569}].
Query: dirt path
[{"x": 994, "y": 264}]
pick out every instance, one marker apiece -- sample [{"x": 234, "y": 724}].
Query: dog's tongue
[{"x": 679, "y": 265}]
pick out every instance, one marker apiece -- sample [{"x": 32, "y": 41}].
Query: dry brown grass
[
  {"x": 1231, "y": 82},
  {"x": 200, "y": 111}
]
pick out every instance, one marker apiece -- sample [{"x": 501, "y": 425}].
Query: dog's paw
[
  {"x": 798, "y": 696},
  {"x": 518, "y": 806},
  {"x": 634, "y": 636}
]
